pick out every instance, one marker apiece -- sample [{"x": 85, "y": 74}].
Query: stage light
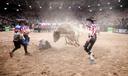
[
  {"x": 5, "y": 8},
  {"x": 98, "y": 4},
  {"x": 89, "y": 6},
  {"x": 79, "y": 7},
  {"x": 90, "y": 10},
  {"x": 19, "y": 5},
  {"x": 119, "y": 0},
  {"x": 17, "y": 10},
  {"x": 50, "y": 7},
  {"x": 69, "y": 7},
  {"x": 108, "y": 3},
  {"x": 121, "y": 5},
  {"x": 7, "y": 3},
  {"x": 100, "y": 9},
  {"x": 40, "y": 7},
  {"x": 60, "y": 7},
  {"x": 30, "y": 6},
  {"x": 110, "y": 8}
]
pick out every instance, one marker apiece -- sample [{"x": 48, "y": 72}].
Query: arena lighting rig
[{"x": 61, "y": 4}]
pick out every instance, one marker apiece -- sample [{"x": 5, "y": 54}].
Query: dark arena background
[{"x": 51, "y": 58}]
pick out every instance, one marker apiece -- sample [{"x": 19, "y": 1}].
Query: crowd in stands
[
  {"x": 5, "y": 22},
  {"x": 12, "y": 21}
]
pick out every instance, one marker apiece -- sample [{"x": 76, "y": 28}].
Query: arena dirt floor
[{"x": 110, "y": 49}]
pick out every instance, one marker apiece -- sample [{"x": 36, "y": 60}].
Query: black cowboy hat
[{"x": 91, "y": 19}]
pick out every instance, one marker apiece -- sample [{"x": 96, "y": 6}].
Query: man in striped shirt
[{"x": 92, "y": 36}]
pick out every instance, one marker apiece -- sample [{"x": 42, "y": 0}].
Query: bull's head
[{"x": 56, "y": 36}]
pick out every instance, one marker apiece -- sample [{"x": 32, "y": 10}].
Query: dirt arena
[{"x": 110, "y": 49}]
